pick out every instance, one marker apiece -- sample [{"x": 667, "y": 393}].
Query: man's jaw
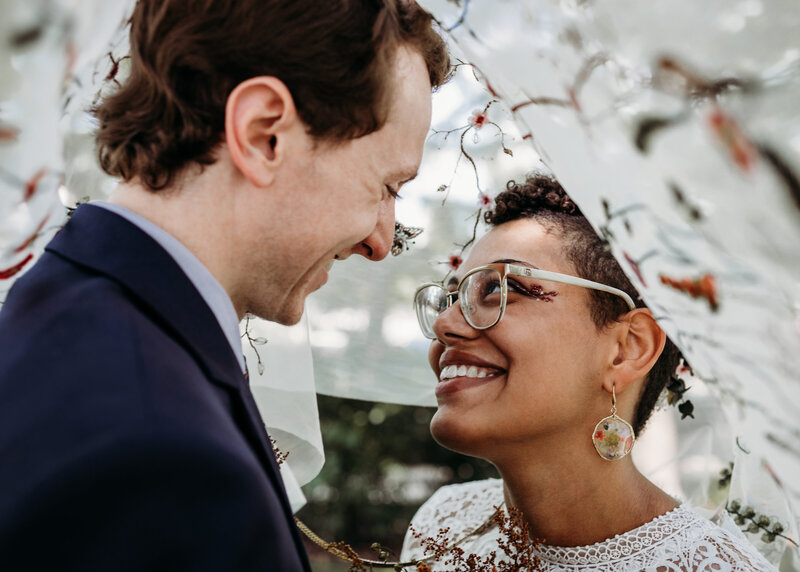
[{"x": 321, "y": 276}]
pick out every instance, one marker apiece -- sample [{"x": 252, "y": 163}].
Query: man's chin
[
  {"x": 288, "y": 314},
  {"x": 288, "y": 310}
]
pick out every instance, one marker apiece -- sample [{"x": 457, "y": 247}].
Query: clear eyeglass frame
[{"x": 505, "y": 270}]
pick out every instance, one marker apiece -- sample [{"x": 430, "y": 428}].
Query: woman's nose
[{"x": 450, "y": 324}]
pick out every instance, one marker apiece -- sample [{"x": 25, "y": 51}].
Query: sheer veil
[{"x": 673, "y": 125}]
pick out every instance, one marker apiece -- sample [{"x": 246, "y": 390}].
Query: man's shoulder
[
  {"x": 62, "y": 317},
  {"x": 54, "y": 291},
  {"x": 82, "y": 359},
  {"x": 87, "y": 377}
]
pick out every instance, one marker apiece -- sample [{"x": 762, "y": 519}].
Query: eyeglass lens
[
  {"x": 429, "y": 303},
  {"x": 481, "y": 298},
  {"x": 480, "y": 295}
]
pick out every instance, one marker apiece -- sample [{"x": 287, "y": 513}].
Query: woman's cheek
[{"x": 434, "y": 353}]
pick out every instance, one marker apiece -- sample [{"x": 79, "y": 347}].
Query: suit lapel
[
  {"x": 107, "y": 243},
  {"x": 257, "y": 433},
  {"x": 257, "y": 427}
]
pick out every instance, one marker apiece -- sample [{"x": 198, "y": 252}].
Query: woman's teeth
[{"x": 451, "y": 371}]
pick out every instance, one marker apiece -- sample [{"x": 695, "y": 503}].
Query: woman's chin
[{"x": 455, "y": 433}]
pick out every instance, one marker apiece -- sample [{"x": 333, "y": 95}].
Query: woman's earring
[{"x": 613, "y": 437}]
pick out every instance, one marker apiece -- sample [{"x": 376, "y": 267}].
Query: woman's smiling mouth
[
  {"x": 453, "y": 371},
  {"x": 460, "y": 370}
]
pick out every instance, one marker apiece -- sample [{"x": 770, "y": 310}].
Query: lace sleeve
[
  {"x": 721, "y": 550},
  {"x": 460, "y": 508}
]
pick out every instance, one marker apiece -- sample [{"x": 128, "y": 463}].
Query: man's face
[{"x": 339, "y": 201}]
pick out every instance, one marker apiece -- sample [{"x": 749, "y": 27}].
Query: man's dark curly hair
[
  {"x": 336, "y": 58},
  {"x": 542, "y": 198}
]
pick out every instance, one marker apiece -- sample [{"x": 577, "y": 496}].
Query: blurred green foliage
[{"x": 381, "y": 464}]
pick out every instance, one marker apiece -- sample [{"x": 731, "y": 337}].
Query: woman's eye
[
  {"x": 532, "y": 291},
  {"x": 514, "y": 286},
  {"x": 492, "y": 287}
]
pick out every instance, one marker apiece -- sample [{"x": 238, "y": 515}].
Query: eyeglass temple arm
[{"x": 566, "y": 279}]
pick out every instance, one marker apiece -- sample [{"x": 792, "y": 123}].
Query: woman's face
[{"x": 537, "y": 373}]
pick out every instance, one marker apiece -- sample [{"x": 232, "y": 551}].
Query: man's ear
[
  {"x": 259, "y": 116},
  {"x": 640, "y": 341}
]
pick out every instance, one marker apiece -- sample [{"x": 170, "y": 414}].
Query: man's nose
[{"x": 379, "y": 242}]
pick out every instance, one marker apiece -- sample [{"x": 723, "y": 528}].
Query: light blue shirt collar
[{"x": 212, "y": 291}]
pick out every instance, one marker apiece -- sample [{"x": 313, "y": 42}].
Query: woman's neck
[{"x": 574, "y": 500}]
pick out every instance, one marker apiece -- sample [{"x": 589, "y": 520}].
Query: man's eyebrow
[{"x": 403, "y": 176}]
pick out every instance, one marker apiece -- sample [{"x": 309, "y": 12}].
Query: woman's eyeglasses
[{"x": 483, "y": 293}]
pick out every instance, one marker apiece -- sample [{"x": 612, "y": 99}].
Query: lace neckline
[
  {"x": 644, "y": 537},
  {"x": 680, "y": 539}
]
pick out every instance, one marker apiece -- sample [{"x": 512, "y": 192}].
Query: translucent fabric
[
  {"x": 673, "y": 125},
  {"x": 285, "y": 394}
]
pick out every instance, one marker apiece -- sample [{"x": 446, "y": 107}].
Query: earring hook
[{"x": 613, "y": 399}]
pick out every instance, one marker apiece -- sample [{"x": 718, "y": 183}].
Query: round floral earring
[{"x": 613, "y": 436}]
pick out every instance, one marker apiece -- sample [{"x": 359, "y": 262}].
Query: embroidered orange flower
[
  {"x": 478, "y": 119},
  {"x": 455, "y": 261},
  {"x": 730, "y": 135},
  {"x": 701, "y": 287}
]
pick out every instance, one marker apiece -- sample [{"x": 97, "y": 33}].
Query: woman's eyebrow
[{"x": 515, "y": 261}]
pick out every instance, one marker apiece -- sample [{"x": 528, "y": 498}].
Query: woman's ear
[
  {"x": 640, "y": 341},
  {"x": 260, "y": 116}
]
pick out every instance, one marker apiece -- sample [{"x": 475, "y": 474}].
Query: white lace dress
[{"x": 680, "y": 540}]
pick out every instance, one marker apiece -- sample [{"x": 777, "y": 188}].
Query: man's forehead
[{"x": 409, "y": 117}]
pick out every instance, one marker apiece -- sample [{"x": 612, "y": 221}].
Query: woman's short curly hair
[{"x": 542, "y": 198}]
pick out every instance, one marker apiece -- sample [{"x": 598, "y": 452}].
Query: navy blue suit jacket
[{"x": 129, "y": 439}]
